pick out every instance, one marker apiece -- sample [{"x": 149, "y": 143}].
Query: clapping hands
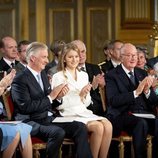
[
  {"x": 59, "y": 91},
  {"x": 145, "y": 85},
  {"x": 7, "y": 80},
  {"x": 98, "y": 81},
  {"x": 85, "y": 90}
]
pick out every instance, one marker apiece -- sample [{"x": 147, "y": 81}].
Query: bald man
[{"x": 8, "y": 47}]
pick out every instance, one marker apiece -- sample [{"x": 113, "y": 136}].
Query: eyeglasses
[{"x": 130, "y": 55}]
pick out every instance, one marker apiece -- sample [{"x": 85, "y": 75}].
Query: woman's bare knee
[{"x": 95, "y": 127}]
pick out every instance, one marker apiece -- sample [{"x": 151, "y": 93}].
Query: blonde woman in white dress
[{"x": 75, "y": 102}]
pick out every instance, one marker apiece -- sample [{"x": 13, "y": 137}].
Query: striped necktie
[
  {"x": 132, "y": 78},
  {"x": 83, "y": 69}
]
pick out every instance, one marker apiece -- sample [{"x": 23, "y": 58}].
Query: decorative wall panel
[
  {"x": 32, "y": 20},
  {"x": 7, "y": 19},
  {"x": 61, "y": 24},
  {"x": 98, "y": 31},
  {"x": 137, "y": 14}
]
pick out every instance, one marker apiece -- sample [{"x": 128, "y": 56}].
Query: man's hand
[
  {"x": 140, "y": 87},
  {"x": 101, "y": 80},
  {"x": 7, "y": 79},
  {"x": 149, "y": 82},
  {"x": 56, "y": 91},
  {"x": 1, "y": 90},
  {"x": 98, "y": 81}
]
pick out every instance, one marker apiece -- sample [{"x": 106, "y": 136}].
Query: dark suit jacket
[
  {"x": 94, "y": 70},
  {"x": 31, "y": 103},
  {"x": 107, "y": 66},
  {"x": 151, "y": 62},
  {"x": 50, "y": 65},
  {"x": 4, "y": 66},
  {"x": 19, "y": 67},
  {"x": 119, "y": 91}
]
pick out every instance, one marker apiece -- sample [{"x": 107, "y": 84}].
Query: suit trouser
[
  {"x": 55, "y": 133},
  {"x": 135, "y": 126},
  {"x": 78, "y": 132}
]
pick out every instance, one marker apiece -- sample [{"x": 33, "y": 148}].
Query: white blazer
[{"x": 72, "y": 105}]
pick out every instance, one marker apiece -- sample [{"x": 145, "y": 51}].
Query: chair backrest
[{"x": 8, "y": 104}]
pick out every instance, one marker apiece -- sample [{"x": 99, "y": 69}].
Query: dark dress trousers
[
  {"x": 93, "y": 70},
  {"x": 32, "y": 106},
  {"x": 121, "y": 103}
]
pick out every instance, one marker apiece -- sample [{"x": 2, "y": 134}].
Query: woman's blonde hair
[{"x": 67, "y": 48}]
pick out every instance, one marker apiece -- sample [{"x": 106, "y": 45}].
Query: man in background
[
  {"x": 22, "y": 46},
  {"x": 114, "y": 51},
  {"x": 8, "y": 47},
  {"x": 56, "y": 48}
]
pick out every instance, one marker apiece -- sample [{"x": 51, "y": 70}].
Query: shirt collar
[
  {"x": 114, "y": 63},
  {"x": 23, "y": 64},
  {"x": 84, "y": 66},
  {"x": 8, "y": 61},
  {"x": 126, "y": 70},
  {"x": 35, "y": 73}
]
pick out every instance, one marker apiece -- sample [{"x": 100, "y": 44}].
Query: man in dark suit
[
  {"x": 8, "y": 47},
  {"x": 128, "y": 94},
  {"x": 33, "y": 99},
  {"x": 96, "y": 77},
  {"x": 21, "y": 65},
  {"x": 56, "y": 48},
  {"x": 152, "y": 61},
  {"x": 114, "y": 50}
]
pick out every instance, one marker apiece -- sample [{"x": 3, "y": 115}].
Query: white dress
[{"x": 72, "y": 105}]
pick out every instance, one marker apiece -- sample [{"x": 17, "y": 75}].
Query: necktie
[
  {"x": 132, "y": 78},
  {"x": 39, "y": 80},
  {"x": 82, "y": 69},
  {"x": 12, "y": 65}
]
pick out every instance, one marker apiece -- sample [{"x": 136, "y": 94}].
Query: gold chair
[
  {"x": 69, "y": 142},
  {"x": 124, "y": 137},
  {"x": 37, "y": 144}
]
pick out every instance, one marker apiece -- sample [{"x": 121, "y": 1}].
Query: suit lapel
[
  {"x": 124, "y": 79},
  {"x": 46, "y": 85},
  {"x": 138, "y": 75},
  {"x": 32, "y": 80},
  {"x": 4, "y": 65}
]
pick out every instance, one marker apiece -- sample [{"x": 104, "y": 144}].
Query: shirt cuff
[
  {"x": 134, "y": 93},
  {"x": 147, "y": 94},
  {"x": 50, "y": 99}
]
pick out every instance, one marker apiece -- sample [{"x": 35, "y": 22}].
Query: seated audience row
[
  {"x": 75, "y": 93},
  {"x": 14, "y": 134}
]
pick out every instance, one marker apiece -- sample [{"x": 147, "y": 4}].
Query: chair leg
[
  {"x": 132, "y": 150},
  {"x": 36, "y": 154},
  {"x": 60, "y": 152},
  {"x": 149, "y": 148},
  {"x": 121, "y": 148}
]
